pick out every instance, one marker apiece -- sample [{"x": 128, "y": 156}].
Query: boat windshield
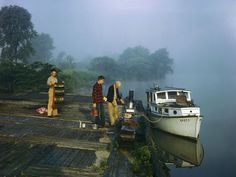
[
  {"x": 161, "y": 95},
  {"x": 172, "y": 95},
  {"x": 185, "y": 94},
  {"x": 168, "y": 95}
]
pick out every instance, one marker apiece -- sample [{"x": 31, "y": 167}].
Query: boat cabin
[
  {"x": 169, "y": 95},
  {"x": 171, "y": 102}
]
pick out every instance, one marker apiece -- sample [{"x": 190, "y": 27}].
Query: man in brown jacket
[{"x": 113, "y": 96}]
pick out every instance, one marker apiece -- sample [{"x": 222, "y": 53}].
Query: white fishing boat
[{"x": 172, "y": 110}]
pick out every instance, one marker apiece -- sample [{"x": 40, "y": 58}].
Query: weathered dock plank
[
  {"x": 60, "y": 142},
  {"x": 24, "y": 157},
  {"x": 35, "y": 145},
  {"x": 119, "y": 165},
  {"x": 19, "y": 156},
  {"x": 59, "y": 172},
  {"x": 21, "y": 128}
]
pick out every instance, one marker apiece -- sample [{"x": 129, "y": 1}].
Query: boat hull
[
  {"x": 188, "y": 150},
  {"x": 182, "y": 126}
]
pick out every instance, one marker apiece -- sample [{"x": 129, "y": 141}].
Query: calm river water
[{"x": 216, "y": 96}]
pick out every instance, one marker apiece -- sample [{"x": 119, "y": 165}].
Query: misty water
[{"x": 215, "y": 94}]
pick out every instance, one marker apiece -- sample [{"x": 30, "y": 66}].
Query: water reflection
[{"x": 176, "y": 151}]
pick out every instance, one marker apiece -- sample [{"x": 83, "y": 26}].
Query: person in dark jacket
[
  {"x": 98, "y": 100},
  {"x": 113, "y": 96}
]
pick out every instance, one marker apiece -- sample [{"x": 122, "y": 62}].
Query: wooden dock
[{"x": 34, "y": 145}]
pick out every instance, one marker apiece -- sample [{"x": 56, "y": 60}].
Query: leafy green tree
[
  {"x": 16, "y": 33},
  {"x": 43, "y": 46},
  {"x": 134, "y": 63},
  {"x": 139, "y": 70},
  {"x": 160, "y": 63},
  {"x": 134, "y": 54},
  {"x": 65, "y": 62},
  {"x": 76, "y": 79},
  {"x": 39, "y": 75},
  {"x": 60, "y": 57},
  {"x": 68, "y": 62},
  {"x": 139, "y": 64},
  {"x": 19, "y": 77},
  {"x": 106, "y": 66},
  {"x": 7, "y": 76}
]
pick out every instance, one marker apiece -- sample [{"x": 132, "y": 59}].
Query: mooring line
[{"x": 146, "y": 117}]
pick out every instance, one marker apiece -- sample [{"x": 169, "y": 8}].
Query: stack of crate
[{"x": 59, "y": 92}]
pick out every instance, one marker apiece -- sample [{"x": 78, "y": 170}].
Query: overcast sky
[{"x": 199, "y": 34}]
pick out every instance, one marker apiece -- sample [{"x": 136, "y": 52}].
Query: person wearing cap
[
  {"x": 98, "y": 100},
  {"x": 51, "y": 82},
  {"x": 113, "y": 96}
]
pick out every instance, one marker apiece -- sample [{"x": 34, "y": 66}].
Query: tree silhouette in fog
[
  {"x": 16, "y": 33},
  {"x": 135, "y": 64}
]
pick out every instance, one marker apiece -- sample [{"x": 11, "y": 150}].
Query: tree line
[
  {"x": 27, "y": 58},
  {"x": 135, "y": 63}
]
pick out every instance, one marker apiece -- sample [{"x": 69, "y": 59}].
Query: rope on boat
[{"x": 151, "y": 121}]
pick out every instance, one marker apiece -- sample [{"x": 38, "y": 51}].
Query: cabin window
[
  {"x": 184, "y": 93},
  {"x": 172, "y": 95},
  {"x": 161, "y": 95},
  {"x": 151, "y": 96},
  {"x": 155, "y": 108},
  {"x": 175, "y": 112},
  {"x": 159, "y": 110},
  {"x": 166, "y": 110},
  {"x": 148, "y": 97}
]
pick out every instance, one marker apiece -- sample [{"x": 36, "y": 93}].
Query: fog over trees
[
  {"x": 136, "y": 40},
  {"x": 25, "y": 51}
]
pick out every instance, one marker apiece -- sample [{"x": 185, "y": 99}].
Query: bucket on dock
[
  {"x": 82, "y": 124},
  {"x": 94, "y": 126}
]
